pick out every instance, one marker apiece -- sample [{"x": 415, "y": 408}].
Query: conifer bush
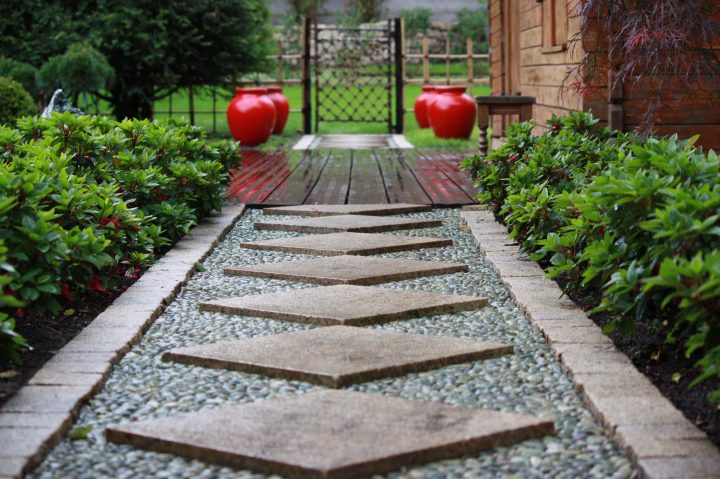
[{"x": 15, "y": 101}]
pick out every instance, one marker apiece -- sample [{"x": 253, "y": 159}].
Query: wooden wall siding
[
  {"x": 497, "y": 77},
  {"x": 686, "y": 113},
  {"x": 543, "y": 71}
]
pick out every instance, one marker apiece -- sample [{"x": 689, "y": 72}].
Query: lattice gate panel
[{"x": 353, "y": 74}]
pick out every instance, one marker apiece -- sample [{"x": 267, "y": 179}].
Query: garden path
[
  {"x": 358, "y": 176},
  {"x": 235, "y": 372}
]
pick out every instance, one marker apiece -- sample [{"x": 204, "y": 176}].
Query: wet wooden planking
[
  {"x": 400, "y": 183},
  {"x": 441, "y": 189},
  {"x": 351, "y": 176},
  {"x": 366, "y": 182},
  {"x": 263, "y": 174},
  {"x": 334, "y": 182},
  {"x": 449, "y": 164},
  {"x": 298, "y": 185}
]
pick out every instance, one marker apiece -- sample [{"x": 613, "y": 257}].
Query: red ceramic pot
[
  {"x": 251, "y": 116},
  {"x": 421, "y": 105},
  {"x": 451, "y": 112},
  {"x": 282, "y": 105}
]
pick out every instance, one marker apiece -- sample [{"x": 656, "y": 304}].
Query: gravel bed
[{"x": 531, "y": 382}]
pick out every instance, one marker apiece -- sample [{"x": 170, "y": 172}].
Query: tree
[
  {"x": 364, "y": 11},
  {"x": 662, "y": 45},
  {"x": 158, "y": 47},
  {"x": 81, "y": 69},
  {"x": 306, "y": 8},
  {"x": 155, "y": 47},
  {"x": 31, "y": 31},
  {"x": 470, "y": 24}
]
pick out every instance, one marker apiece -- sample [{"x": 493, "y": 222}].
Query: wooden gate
[{"x": 353, "y": 75}]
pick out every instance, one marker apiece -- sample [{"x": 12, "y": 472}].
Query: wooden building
[{"x": 532, "y": 49}]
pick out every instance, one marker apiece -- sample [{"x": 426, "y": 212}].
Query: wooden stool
[{"x": 500, "y": 105}]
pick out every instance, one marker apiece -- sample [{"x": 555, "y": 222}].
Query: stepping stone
[
  {"x": 361, "y": 244},
  {"x": 344, "y": 305},
  {"x": 337, "y": 356},
  {"x": 330, "y": 434},
  {"x": 348, "y": 270},
  {"x": 351, "y": 223},
  {"x": 331, "y": 210}
]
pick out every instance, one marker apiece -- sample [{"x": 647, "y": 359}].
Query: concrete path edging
[
  {"x": 42, "y": 412},
  {"x": 654, "y": 434}
]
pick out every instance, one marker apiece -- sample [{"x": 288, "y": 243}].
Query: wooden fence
[{"x": 446, "y": 58}]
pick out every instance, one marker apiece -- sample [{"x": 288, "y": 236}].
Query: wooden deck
[{"x": 285, "y": 178}]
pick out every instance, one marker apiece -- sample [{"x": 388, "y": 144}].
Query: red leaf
[
  {"x": 95, "y": 284},
  {"x": 160, "y": 194},
  {"x": 66, "y": 293},
  {"x": 107, "y": 220},
  {"x": 19, "y": 312}
]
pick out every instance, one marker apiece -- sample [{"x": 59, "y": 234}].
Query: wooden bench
[{"x": 500, "y": 105}]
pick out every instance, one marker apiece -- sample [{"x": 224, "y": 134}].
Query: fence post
[
  {"x": 399, "y": 76},
  {"x": 470, "y": 66},
  {"x": 426, "y": 60},
  {"x": 191, "y": 105},
  {"x": 447, "y": 60},
  {"x": 214, "y": 109},
  {"x": 280, "y": 63},
  {"x": 306, "y": 108}
]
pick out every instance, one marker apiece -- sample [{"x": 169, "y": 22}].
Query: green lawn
[{"x": 416, "y": 136}]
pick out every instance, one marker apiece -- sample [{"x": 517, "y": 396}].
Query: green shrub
[
  {"x": 633, "y": 222},
  {"x": 417, "y": 20},
  {"x": 81, "y": 69},
  {"x": 21, "y": 72},
  {"x": 470, "y": 24},
  {"x": 10, "y": 341},
  {"x": 15, "y": 101},
  {"x": 83, "y": 198}
]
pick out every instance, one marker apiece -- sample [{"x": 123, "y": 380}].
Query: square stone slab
[
  {"x": 337, "y": 356},
  {"x": 350, "y": 223},
  {"x": 344, "y": 305},
  {"x": 331, "y": 210},
  {"x": 330, "y": 434},
  {"x": 361, "y": 244},
  {"x": 348, "y": 270}
]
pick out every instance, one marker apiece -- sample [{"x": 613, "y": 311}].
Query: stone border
[
  {"x": 655, "y": 435},
  {"x": 304, "y": 143},
  {"x": 401, "y": 143},
  {"x": 34, "y": 420}
]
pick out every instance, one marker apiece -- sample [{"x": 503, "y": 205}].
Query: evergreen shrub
[
  {"x": 86, "y": 198},
  {"x": 15, "y": 101},
  {"x": 633, "y": 222}
]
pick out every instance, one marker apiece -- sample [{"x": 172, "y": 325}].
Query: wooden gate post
[
  {"x": 399, "y": 76},
  {"x": 306, "y": 97}
]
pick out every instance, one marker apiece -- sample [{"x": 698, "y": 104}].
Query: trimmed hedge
[
  {"x": 82, "y": 197},
  {"x": 634, "y": 222},
  {"x": 15, "y": 101}
]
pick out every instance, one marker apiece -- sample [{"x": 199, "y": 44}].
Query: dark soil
[
  {"x": 667, "y": 367},
  {"x": 48, "y": 333}
]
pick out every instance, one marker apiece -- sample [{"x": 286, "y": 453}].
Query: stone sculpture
[{"x": 60, "y": 103}]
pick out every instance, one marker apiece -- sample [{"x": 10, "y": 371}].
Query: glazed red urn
[
  {"x": 282, "y": 105},
  {"x": 421, "y": 106},
  {"x": 251, "y": 116},
  {"x": 451, "y": 112}
]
